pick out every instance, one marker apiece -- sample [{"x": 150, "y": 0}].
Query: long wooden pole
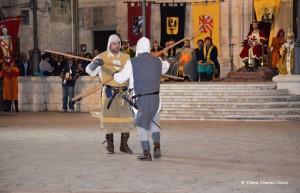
[
  {"x": 182, "y": 40},
  {"x": 79, "y": 57},
  {"x": 92, "y": 89}
]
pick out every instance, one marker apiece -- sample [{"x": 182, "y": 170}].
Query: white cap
[
  {"x": 112, "y": 38},
  {"x": 143, "y": 45}
]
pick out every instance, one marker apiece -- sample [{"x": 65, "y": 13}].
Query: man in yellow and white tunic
[
  {"x": 116, "y": 114},
  {"x": 286, "y": 63}
]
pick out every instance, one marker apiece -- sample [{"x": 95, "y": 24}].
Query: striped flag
[
  {"x": 206, "y": 23},
  {"x": 206, "y": 19}
]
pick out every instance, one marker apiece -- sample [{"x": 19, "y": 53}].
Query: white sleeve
[
  {"x": 165, "y": 66},
  {"x": 95, "y": 72},
  {"x": 124, "y": 74}
]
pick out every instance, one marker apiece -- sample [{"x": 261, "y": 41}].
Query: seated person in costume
[
  {"x": 277, "y": 42},
  {"x": 253, "y": 44},
  {"x": 170, "y": 55},
  {"x": 126, "y": 49},
  {"x": 210, "y": 68},
  {"x": 204, "y": 69},
  {"x": 186, "y": 65},
  {"x": 155, "y": 49},
  {"x": 286, "y": 63}
]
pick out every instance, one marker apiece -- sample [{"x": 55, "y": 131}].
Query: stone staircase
[{"x": 227, "y": 101}]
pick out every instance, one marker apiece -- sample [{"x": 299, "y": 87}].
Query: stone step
[
  {"x": 228, "y": 101},
  {"x": 205, "y": 111},
  {"x": 294, "y": 117},
  {"x": 244, "y": 98},
  {"x": 219, "y": 85},
  {"x": 224, "y": 92},
  {"x": 243, "y": 105}
]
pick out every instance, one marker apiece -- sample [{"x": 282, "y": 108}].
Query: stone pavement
[{"x": 52, "y": 152}]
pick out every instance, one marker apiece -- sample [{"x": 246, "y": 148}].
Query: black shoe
[{"x": 146, "y": 156}]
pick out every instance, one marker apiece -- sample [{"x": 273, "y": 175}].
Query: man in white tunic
[{"x": 144, "y": 72}]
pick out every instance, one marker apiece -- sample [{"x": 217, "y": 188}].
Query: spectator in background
[
  {"x": 170, "y": 54},
  {"x": 186, "y": 66},
  {"x": 95, "y": 52},
  {"x": 86, "y": 62},
  {"x": 126, "y": 49},
  {"x": 155, "y": 49},
  {"x": 45, "y": 67},
  {"x": 24, "y": 65},
  {"x": 69, "y": 74},
  {"x": 81, "y": 70},
  {"x": 61, "y": 62},
  {"x": 211, "y": 57}
]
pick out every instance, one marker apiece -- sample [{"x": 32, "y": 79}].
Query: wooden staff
[
  {"x": 173, "y": 77},
  {"x": 92, "y": 89},
  {"x": 81, "y": 58},
  {"x": 171, "y": 46}
]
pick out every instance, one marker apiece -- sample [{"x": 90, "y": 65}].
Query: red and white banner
[
  {"x": 135, "y": 21},
  {"x": 206, "y": 23},
  {"x": 12, "y": 25}
]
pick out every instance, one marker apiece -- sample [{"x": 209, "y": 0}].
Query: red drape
[
  {"x": 12, "y": 25},
  {"x": 135, "y": 21}
]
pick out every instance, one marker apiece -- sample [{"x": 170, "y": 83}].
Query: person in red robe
[{"x": 253, "y": 47}]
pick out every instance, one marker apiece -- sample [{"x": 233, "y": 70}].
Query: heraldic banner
[
  {"x": 267, "y": 11},
  {"x": 135, "y": 21},
  {"x": 206, "y": 20},
  {"x": 12, "y": 25},
  {"x": 172, "y": 17}
]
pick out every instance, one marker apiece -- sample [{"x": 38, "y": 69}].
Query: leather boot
[
  {"x": 146, "y": 156},
  {"x": 157, "y": 152},
  {"x": 110, "y": 143},
  {"x": 16, "y": 106},
  {"x": 124, "y": 146}
]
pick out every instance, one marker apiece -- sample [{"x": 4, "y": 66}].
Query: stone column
[{"x": 297, "y": 44}]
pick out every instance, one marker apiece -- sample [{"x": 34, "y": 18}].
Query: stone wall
[{"x": 45, "y": 94}]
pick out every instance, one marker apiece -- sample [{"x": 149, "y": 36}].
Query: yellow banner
[
  {"x": 267, "y": 11},
  {"x": 206, "y": 19}
]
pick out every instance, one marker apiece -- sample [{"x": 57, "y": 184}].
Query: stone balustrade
[
  {"x": 45, "y": 94},
  {"x": 290, "y": 82}
]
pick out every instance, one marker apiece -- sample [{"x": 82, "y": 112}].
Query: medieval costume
[
  {"x": 211, "y": 57},
  {"x": 253, "y": 46},
  {"x": 116, "y": 114},
  {"x": 186, "y": 65},
  {"x": 144, "y": 72},
  {"x": 277, "y": 42},
  {"x": 170, "y": 55},
  {"x": 286, "y": 63},
  {"x": 9, "y": 73}
]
